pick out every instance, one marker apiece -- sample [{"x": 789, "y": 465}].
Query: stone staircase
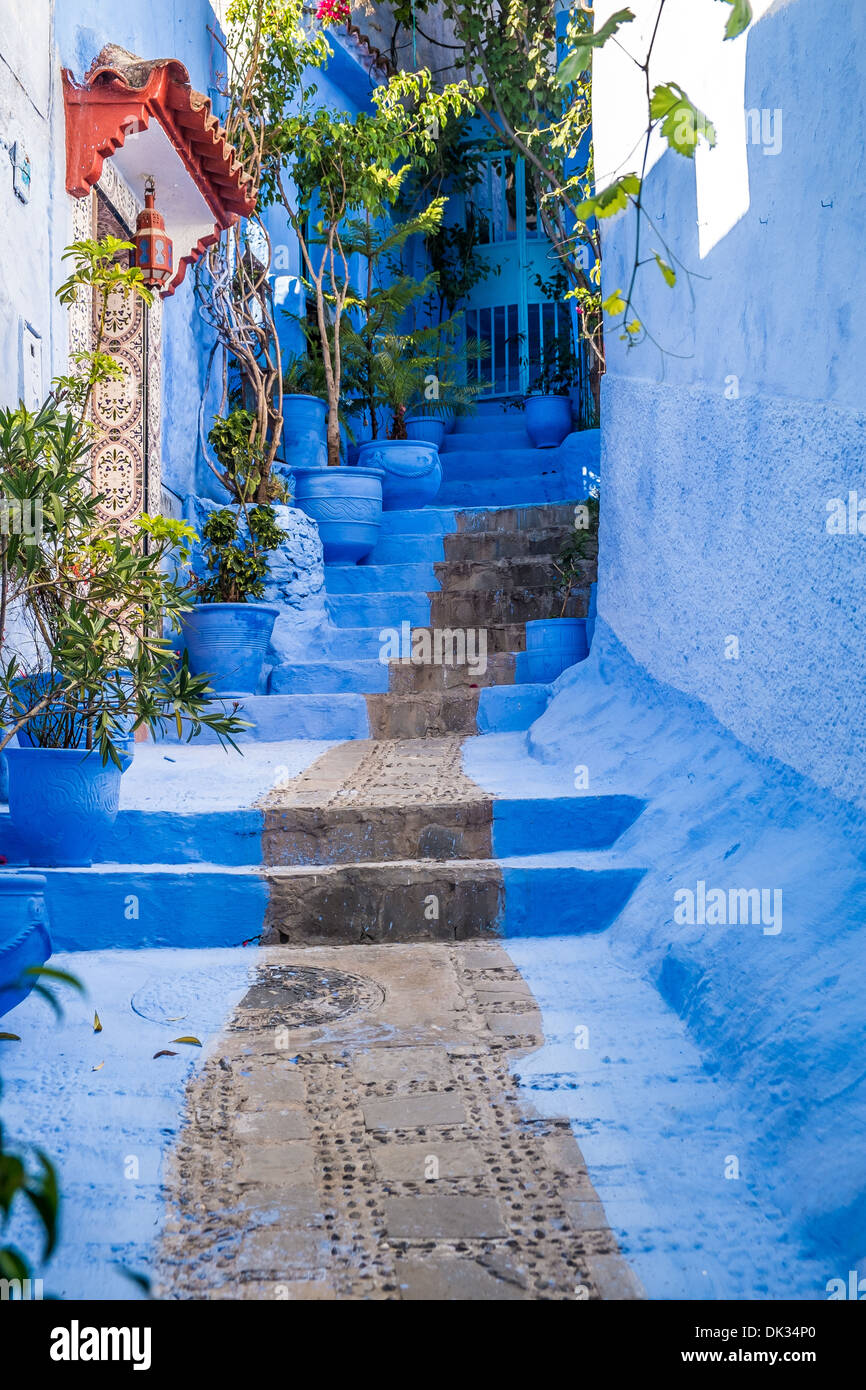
[{"x": 383, "y": 838}]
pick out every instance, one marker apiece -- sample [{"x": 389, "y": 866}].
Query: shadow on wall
[{"x": 750, "y": 921}]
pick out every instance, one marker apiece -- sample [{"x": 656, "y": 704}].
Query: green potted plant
[
  {"x": 89, "y": 664},
  {"x": 226, "y": 634},
  {"x": 553, "y": 644}
]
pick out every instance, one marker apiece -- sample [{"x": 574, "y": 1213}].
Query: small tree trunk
[{"x": 333, "y": 434}]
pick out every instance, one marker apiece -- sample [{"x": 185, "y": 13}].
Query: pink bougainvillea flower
[{"x": 333, "y": 11}]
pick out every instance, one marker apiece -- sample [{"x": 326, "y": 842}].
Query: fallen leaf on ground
[
  {"x": 97, "y": 1026},
  {"x": 164, "y": 1053},
  {"x": 196, "y": 1042}
]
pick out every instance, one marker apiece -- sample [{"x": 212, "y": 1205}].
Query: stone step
[
  {"x": 532, "y": 517},
  {"x": 409, "y": 678},
  {"x": 552, "y": 485},
  {"x": 506, "y": 576},
  {"x": 444, "y": 900},
  {"x": 388, "y": 608},
  {"x": 396, "y": 901},
  {"x": 482, "y": 608},
  {"x": 471, "y": 463},
  {"x": 502, "y": 637},
  {"x": 473, "y": 828},
  {"x": 429, "y": 715},
  {"x": 504, "y": 436},
  {"x": 307, "y": 835},
  {"x": 400, "y": 575},
  {"x": 504, "y": 545}
]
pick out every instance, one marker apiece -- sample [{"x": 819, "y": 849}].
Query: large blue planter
[
  {"x": 304, "y": 441},
  {"x": 346, "y": 504},
  {"x": 548, "y": 420},
  {"x": 552, "y": 645},
  {"x": 228, "y": 642},
  {"x": 428, "y": 428},
  {"x": 413, "y": 473},
  {"x": 61, "y": 802},
  {"x": 24, "y": 939}
]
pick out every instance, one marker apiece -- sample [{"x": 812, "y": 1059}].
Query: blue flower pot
[
  {"x": 427, "y": 428},
  {"x": 304, "y": 441},
  {"x": 346, "y": 504},
  {"x": 413, "y": 473},
  {"x": 552, "y": 645},
  {"x": 548, "y": 420},
  {"x": 24, "y": 939},
  {"x": 61, "y": 802},
  {"x": 35, "y": 730},
  {"x": 228, "y": 642}
]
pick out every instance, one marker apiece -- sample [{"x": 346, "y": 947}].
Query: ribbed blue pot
[
  {"x": 24, "y": 939},
  {"x": 228, "y": 642},
  {"x": 31, "y": 734},
  {"x": 61, "y": 802},
  {"x": 346, "y": 504},
  {"x": 552, "y": 645},
  {"x": 413, "y": 473},
  {"x": 304, "y": 441},
  {"x": 548, "y": 420},
  {"x": 427, "y": 428}
]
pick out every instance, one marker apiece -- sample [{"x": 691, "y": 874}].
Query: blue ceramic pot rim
[
  {"x": 82, "y": 754},
  {"x": 547, "y": 396},
  {"x": 352, "y": 468},
  {"x": 302, "y": 396},
  {"x": 536, "y": 622},
  {"x": 22, "y": 879},
  {"x": 254, "y": 606}
]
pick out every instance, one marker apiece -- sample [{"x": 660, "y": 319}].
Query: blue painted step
[
  {"x": 134, "y": 905},
  {"x": 320, "y": 677},
  {"x": 512, "y": 436},
  {"x": 279, "y": 717},
  {"x": 507, "y": 708},
  {"x": 565, "y": 895},
  {"x": 391, "y": 549},
  {"x": 385, "y": 609},
  {"x": 366, "y": 579},
  {"x": 559, "y": 823}
]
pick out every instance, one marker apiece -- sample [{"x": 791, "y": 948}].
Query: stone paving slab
[{"x": 370, "y": 1142}]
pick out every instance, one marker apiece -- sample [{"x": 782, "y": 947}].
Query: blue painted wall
[{"x": 714, "y": 514}]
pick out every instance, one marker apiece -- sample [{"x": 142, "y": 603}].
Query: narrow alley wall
[{"x": 734, "y": 462}]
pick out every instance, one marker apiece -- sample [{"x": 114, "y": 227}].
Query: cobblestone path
[{"x": 356, "y": 1133}]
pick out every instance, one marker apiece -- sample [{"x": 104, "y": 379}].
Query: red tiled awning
[{"x": 117, "y": 102}]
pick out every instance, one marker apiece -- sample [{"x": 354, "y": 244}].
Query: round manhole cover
[
  {"x": 301, "y": 996},
  {"x": 190, "y": 996}
]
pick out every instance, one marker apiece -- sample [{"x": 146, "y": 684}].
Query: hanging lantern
[{"x": 153, "y": 248}]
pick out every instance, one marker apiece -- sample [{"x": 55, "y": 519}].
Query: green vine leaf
[
  {"x": 614, "y": 304},
  {"x": 739, "y": 19},
  {"x": 682, "y": 124},
  {"x": 576, "y": 63},
  {"x": 667, "y": 271},
  {"x": 610, "y": 200}
]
